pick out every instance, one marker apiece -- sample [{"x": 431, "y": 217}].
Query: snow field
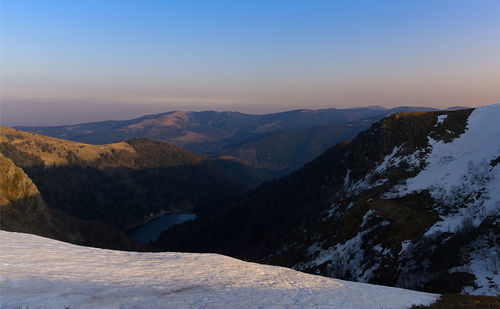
[{"x": 41, "y": 272}]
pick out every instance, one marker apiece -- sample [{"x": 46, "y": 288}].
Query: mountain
[
  {"x": 453, "y": 108},
  {"x": 286, "y": 151},
  {"x": 42, "y": 273},
  {"x": 198, "y": 130},
  {"x": 290, "y": 150},
  {"x": 23, "y": 210},
  {"x": 412, "y": 202},
  {"x": 377, "y": 107},
  {"x": 221, "y": 132},
  {"x": 125, "y": 184}
]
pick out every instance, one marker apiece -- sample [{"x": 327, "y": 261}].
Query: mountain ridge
[
  {"x": 334, "y": 217},
  {"x": 210, "y": 132}
]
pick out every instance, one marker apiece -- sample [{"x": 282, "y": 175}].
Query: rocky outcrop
[{"x": 21, "y": 204}]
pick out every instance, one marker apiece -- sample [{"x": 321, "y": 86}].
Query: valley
[
  {"x": 23, "y": 209},
  {"x": 250, "y": 154},
  {"x": 364, "y": 211},
  {"x": 149, "y": 231},
  {"x": 132, "y": 179},
  {"x": 410, "y": 202}
]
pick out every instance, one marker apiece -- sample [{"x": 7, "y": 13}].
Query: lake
[{"x": 149, "y": 232}]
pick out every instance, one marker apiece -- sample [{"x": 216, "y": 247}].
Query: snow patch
[
  {"x": 343, "y": 256},
  {"x": 367, "y": 182},
  {"x": 440, "y": 120},
  {"x": 484, "y": 263},
  {"x": 366, "y": 217}
]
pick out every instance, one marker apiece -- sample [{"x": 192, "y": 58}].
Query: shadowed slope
[
  {"x": 22, "y": 209},
  {"x": 125, "y": 184}
]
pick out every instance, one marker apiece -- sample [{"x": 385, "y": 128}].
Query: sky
[{"x": 75, "y": 61}]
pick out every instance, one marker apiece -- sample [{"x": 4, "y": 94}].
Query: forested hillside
[{"x": 123, "y": 184}]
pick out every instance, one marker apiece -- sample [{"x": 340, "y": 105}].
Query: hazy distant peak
[
  {"x": 376, "y": 107},
  {"x": 454, "y": 108}
]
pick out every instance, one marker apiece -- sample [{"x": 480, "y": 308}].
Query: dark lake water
[{"x": 150, "y": 231}]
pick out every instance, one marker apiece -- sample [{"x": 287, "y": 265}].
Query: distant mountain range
[
  {"x": 279, "y": 141},
  {"x": 412, "y": 202}
]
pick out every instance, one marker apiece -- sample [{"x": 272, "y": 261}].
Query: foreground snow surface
[{"x": 43, "y": 273}]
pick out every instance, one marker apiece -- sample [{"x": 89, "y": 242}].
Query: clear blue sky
[{"x": 68, "y": 61}]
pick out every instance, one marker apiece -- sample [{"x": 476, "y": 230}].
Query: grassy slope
[
  {"x": 458, "y": 301},
  {"x": 57, "y": 151}
]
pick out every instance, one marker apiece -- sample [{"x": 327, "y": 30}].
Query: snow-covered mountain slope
[
  {"x": 412, "y": 202},
  {"x": 43, "y": 273},
  {"x": 459, "y": 176},
  {"x": 463, "y": 173}
]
